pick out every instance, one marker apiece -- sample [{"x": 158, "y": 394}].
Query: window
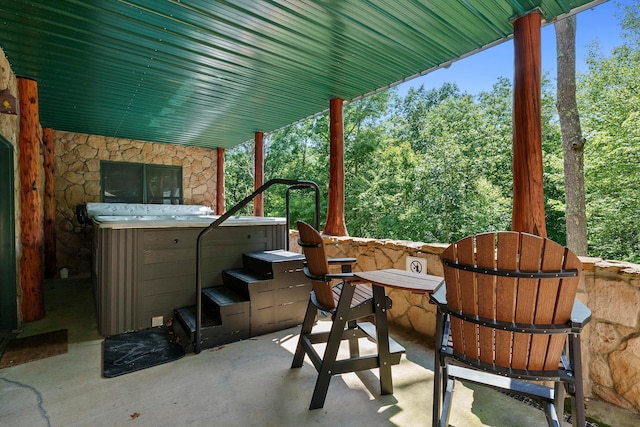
[{"x": 140, "y": 183}]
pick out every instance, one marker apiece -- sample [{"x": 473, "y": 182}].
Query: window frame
[{"x": 147, "y": 172}]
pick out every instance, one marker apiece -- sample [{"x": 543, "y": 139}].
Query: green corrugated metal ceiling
[{"x": 210, "y": 73}]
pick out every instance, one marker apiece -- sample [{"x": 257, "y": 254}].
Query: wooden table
[
  {"x": 397, "y": 279},
  {"x": 401, "y": 279}
]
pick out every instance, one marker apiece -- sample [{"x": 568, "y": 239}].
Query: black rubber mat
[{"x": 133, "y": 351}]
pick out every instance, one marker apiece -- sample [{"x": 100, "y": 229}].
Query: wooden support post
[
  {"x": 528, "y": 195},
  {"x": 220, "y": 199},
  {"x": 335, "y": 224},
  {"x": 50, "y": 267},
  {"x": 258, "y": 173},
  {"x": 31, "y": 271}
]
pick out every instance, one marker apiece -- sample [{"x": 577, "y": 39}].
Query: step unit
[
  {"x": 276, "y": 286},
  {"x": 269, "y": 294},
  {"x": 225, "y": 319}
]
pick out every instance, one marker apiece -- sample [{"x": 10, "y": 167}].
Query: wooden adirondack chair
[
  {"x": 508, "y": 309},
  {"x": 347, "y": 302}
]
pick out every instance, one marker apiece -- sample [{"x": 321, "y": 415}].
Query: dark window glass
[
  {"x": 122, "y": 182},
  {"x": 164, "y": 184},
  {"x": 139, "y": 183}
]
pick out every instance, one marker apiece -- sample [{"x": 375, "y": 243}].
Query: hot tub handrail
[
  {"x": 295, "y": 184},
  {"x": 287, "y": 210}
]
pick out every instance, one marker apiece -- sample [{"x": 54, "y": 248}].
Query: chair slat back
[
  {"x": 490, "y": 290},
  {"x": 313, "y": 249}
]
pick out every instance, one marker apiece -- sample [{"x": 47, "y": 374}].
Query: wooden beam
[
  {"x": 258, "y": 173},
  {"x": 335, "y": 224},
  {"x": 50, "y": 267},
  {"x": 31, "y": 268},
  {"x": 528, "y": 194},
  {"x": 220, "y": 199}
]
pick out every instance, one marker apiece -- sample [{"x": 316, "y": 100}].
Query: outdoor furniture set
[{"x": 507, "y": 318}]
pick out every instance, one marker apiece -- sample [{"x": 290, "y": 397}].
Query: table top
[{"x": 401, "y": 279}]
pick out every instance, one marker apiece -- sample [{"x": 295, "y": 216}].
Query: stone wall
[
  {"x": 408, "y": 310},
  {"x": 612, "y": 292},
  {"x": 77, "y": 175},
  {"x": 9, "y": 124},
  {"x": 611, "y": 289}
]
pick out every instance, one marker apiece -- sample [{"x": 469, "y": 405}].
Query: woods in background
[{"x": 435, "y": 165}]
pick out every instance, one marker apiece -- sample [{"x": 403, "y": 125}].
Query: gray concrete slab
[{"x": 248, "y": 383}]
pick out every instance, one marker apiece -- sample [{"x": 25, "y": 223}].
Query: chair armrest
[
  {"x": 343, "y": 276},
  {"x": 344, "y": 262},
  {"x": 439, "y": 296},
  {"x": 332, "y": 261},
  {"x": 580, "y": 314}
]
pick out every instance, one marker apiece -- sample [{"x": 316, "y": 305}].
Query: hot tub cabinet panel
[
  {"x": 146, "y": 272},
  {"x": 115, "y": 277}
]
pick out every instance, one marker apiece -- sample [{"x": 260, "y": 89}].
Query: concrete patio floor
[{"x": 248, "y": 383}]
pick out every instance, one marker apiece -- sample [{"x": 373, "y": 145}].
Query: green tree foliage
[
  {"x": 298, "y": 152},
  {"x": 452, "y": 191},
  {"x": 238, "y": 176},
  {"x": 609, "y": 99},
  {"x": 435, "y": 165}
]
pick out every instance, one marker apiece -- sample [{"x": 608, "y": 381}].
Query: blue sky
[{"x": 480, "y": 71}]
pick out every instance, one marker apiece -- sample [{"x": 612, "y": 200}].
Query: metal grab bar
[
  {"x": 295, "y": 185},
  {"x": 317, "y": 210}
]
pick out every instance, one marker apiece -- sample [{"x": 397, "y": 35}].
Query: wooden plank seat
[
  {"x": 507, "y": 315},
  {"x": 346, "y": 302}
]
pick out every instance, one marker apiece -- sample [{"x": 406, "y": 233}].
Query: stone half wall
[
  {"x": 612, "y": 292},
  {"x": 412, "y": 311},
  {"x": 611, "y": 289},
  {"x": 77, "y": 175}
]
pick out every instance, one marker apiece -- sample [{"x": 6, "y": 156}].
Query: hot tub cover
[{"x": 128, "y": 209}]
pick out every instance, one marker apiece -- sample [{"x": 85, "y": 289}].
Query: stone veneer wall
[
  {"x": 9, "y": 124},
  {"x": 611, "y": 289},
  {"x": 77, "y": 175},
  {"x": 612, "y": 292},
  {"x": 408, "y": 310}
]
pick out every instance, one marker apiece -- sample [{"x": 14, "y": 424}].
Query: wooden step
[
  {"x": 239, "y": 281},
  {"x": 222, "y": 296},
  {"x": 225, "y": 319},
  {"x": 270, "y": 263},
  {"x": 187, "y": 317},
  {"x": 232, "y": 308},
  {"x": 269, "y": 294}
]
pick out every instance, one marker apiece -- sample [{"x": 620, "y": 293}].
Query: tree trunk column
[
  {"x": 220, "y": 199},
  {"x": 258, "y": 173},
  {"x": 335, "y": 225},
  {"x": 49, "y": 204},
  {"x": 528, "y": 195},
  {"x": 572, "y": 139},
  {"x": 31, "y": 262}
]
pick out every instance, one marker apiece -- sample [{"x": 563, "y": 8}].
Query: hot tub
[
  {"x": 144, "y": 258},
  {"x": 164, "y": 221}
]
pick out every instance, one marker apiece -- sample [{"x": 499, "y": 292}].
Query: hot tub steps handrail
[{"x": 293, "y": 184}]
